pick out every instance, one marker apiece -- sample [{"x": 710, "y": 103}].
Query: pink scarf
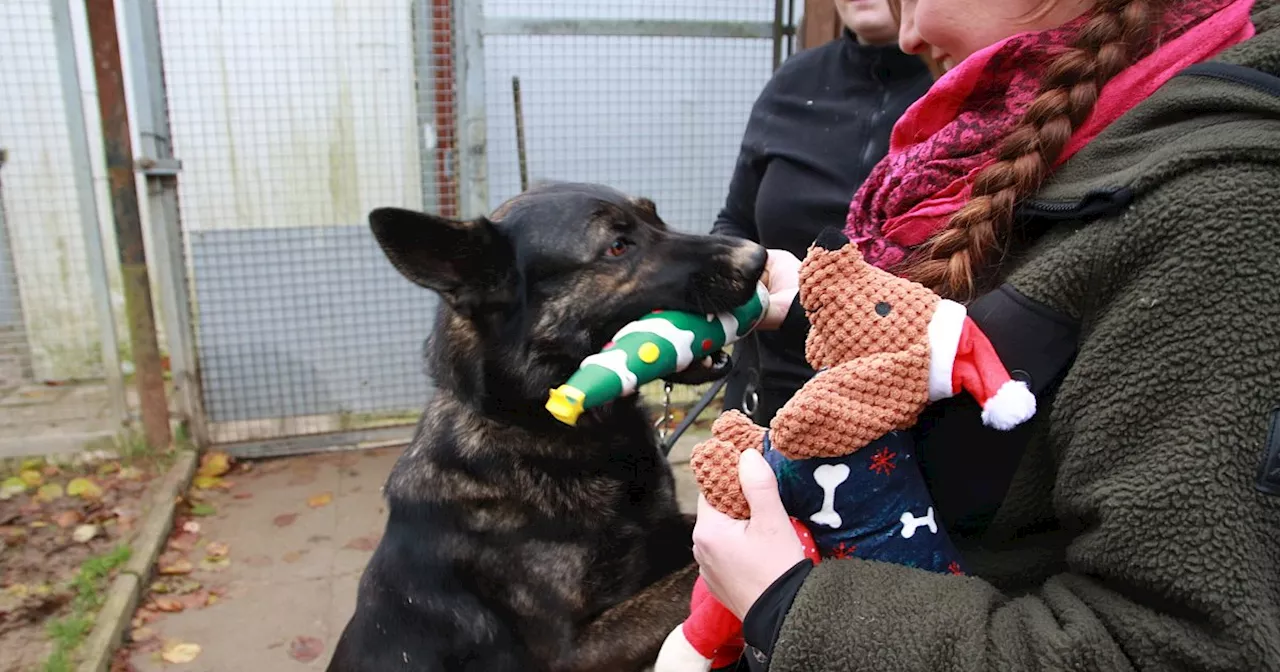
[{"x": 948, "y": 136}]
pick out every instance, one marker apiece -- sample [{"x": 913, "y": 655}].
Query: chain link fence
[{"x": 60, "y": 359}]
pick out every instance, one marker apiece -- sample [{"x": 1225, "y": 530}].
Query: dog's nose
[{"x": 749, "y": 257}]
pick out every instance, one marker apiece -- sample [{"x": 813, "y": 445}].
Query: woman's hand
[
  {"x": 740, "y": 559},
  {"x": 782, "y": 279}
]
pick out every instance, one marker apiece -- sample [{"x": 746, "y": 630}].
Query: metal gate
[{"x": 292, "y": 119}]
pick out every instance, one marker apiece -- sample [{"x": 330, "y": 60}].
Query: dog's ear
[
  {"x": 470, "y": 263},
  {"x": 645, "y": 205}
]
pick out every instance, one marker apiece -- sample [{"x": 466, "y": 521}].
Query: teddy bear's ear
[{"x": 831, "y": 239}]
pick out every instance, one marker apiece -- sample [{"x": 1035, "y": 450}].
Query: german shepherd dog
[{"x": 514, "y": 542}]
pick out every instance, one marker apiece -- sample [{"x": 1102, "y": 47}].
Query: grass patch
[
  {"x": 131, "y": 449},
  {"x": 89, "y": 584}
]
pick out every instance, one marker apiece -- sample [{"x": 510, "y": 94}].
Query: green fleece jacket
[{"x": 1134, "y": 535}]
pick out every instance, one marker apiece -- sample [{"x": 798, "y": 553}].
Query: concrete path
[{"x": 291, "y": 583}]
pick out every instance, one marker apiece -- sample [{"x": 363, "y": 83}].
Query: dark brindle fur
[{"x": 515, "y": 542}]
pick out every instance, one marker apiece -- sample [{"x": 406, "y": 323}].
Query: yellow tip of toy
[{"x": 565, "y": 403}]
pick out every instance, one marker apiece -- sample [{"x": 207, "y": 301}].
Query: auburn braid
[{"x": 1111, "y": 40}]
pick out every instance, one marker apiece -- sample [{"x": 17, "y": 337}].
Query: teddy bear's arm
[
  {"x": 852, "y": 404},
  {"x": 715, "y": 462},
  {"x": 715, "y": 468}
]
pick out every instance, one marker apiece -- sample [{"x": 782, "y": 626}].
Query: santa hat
[{"x": 962, "y": 359}]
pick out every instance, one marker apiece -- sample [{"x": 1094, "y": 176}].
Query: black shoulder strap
[
  {"x": 1236, "y": 74},
  {"x": 969, "y": 466}
]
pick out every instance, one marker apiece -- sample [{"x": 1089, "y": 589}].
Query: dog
[{"x": 515, "y": 542}]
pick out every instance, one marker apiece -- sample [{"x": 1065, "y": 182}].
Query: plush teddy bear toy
[{"x": 884, "y": 349}]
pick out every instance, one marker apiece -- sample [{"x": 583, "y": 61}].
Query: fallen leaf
[
  {"x": 206, "y": 482},
  {"x": 179, "y": 652},
  {"x": 65, "y": 519},
  {"x": 18, "y": 590},
  {"x": 84, "y": 533},
  {"x": 361, "y": 544},
  {"x": 243, "y": 495},
  {"x": 215, "y": 564},
  {"x": 284, "y": 519},
  {"x": 318, "y": 538},
  {"x": 216, "y": 549},
  {"x": 184, "y": 586},
  {"x": 317, "y": 501},
  {"x": 167, "y": 604},
  {"x": 131, "y": 473},
  {"x": 159, "y": 587},
  {"x": 214, "y": 464},
  {"x": 50, "y": 470},
  {"x": 144, "y": 615},
  {"x": 49, "y": 492},
  {"x": 293, "y": 556},
  {"x": 257, "y": 560},
  {"x": 32, "y": 463},
  {"x": 183, "y": 541},
  {"x": 305, "y": 649},
  {"x": 32, "y": 478},
  {"x": 142, "y": 634},
  {"x": 203, "y": 509},
  {"x": 11, "y": 487},
  {"x": 37, "y": 524},
  {"x": 191, "y": 526},
  {"x": 211, "y": 600},
  {"x": 181, "y": 566},
  {"x": 195, "y": 600},
  {"x": 84, "y": 489},
  {"x": 108, "y": 468}
]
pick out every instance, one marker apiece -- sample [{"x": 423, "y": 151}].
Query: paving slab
[{"x": 295, "y": 567}]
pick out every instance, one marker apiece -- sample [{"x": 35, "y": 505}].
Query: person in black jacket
[{"x": 816, "y": 130}]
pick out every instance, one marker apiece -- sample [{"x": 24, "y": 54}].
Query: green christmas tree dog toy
[{"x": 655, "y": 346}]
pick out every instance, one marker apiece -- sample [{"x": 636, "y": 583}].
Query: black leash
[{"x": 669, "y": 441}]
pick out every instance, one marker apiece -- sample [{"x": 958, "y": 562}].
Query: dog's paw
[
  {"x": 715, "y": 468},
  {"x": 736, "y": 428}
]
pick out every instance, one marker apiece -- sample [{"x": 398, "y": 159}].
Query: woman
[
  {"x": 1112, "y": 167},
  {"x": 817, "y": 129}
]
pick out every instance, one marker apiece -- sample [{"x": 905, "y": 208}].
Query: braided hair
[{"x": 1113, "y": 38}]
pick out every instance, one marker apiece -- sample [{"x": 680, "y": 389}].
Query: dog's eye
[{"x": 619, "y": 247}]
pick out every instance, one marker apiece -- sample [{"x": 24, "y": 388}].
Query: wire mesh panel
[
  {"x": 650, "y": 115},
  {"x": 47, "y": 328},
  {"x": 626, "y": 111},
  {"x": 635, "y": 10},
  {"x": 653, "y": 104},
  {"x": 293, "y": 119},
  {"x": 60, "y": 380}
]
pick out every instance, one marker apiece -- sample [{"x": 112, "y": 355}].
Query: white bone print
[
  {"x": 828, "y": 477},
  {"x": 910, "y": 523}
]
